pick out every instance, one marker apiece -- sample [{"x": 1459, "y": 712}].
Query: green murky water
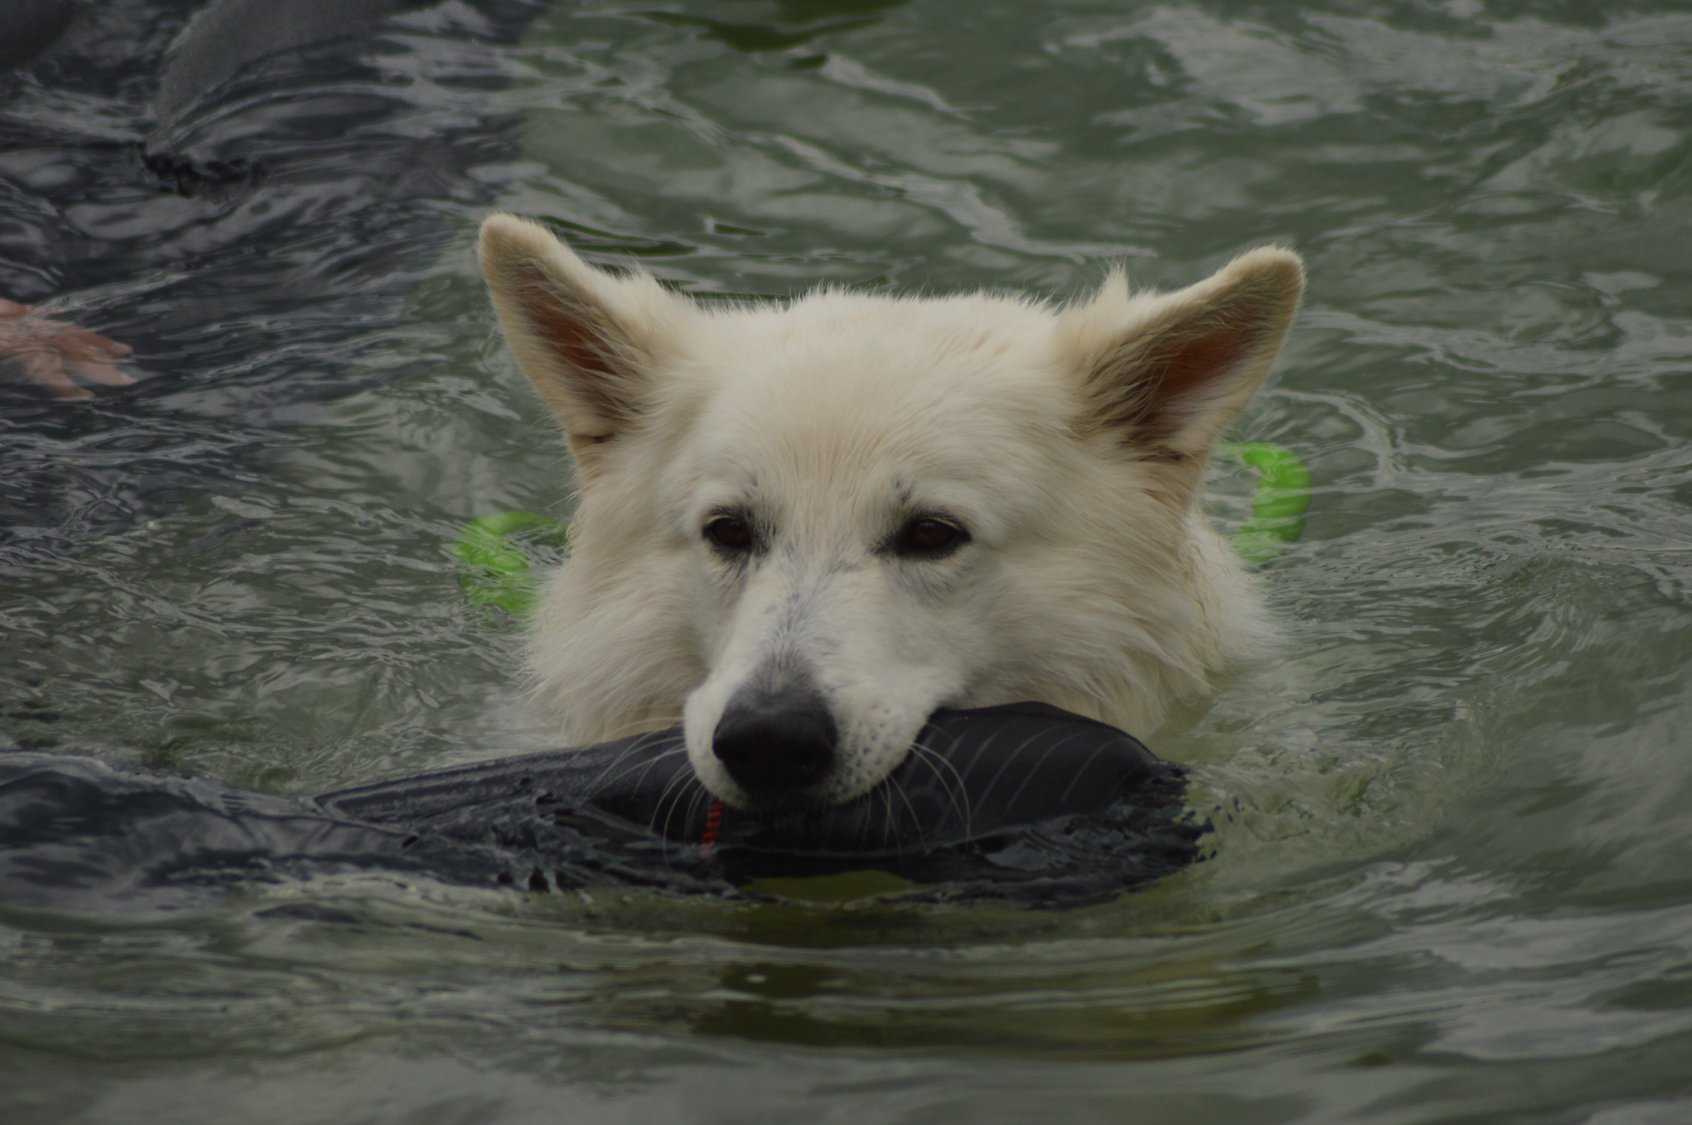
[{"x": 1454, "y": 881}]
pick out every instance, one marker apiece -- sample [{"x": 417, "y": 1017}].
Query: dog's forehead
[{"x": 837, "y": 380}]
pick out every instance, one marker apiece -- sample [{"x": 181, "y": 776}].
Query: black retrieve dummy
[{"x": 1023, "y": 803}]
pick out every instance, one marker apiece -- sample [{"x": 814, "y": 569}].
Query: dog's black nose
[{"x": 772, "y": 742}]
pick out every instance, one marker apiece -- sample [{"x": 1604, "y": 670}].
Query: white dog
[{"x": 803, "y": 527}]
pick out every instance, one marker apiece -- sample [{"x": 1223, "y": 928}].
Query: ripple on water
[{"x": 1452, "y": 815}]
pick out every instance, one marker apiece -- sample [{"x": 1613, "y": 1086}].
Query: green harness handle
[
  {"x": 1279, "y": 504},
  {"x": 500, "y": 568}
]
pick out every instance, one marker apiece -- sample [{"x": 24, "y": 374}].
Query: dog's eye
[
  {"x": 730, "y": 533},
  {"x": 931, "y": 536}
]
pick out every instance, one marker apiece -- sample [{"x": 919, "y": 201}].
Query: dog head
[{"x": 801, "y": 528}]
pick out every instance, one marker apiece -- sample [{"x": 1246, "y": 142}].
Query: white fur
[{"x": 1068, "y": 442}]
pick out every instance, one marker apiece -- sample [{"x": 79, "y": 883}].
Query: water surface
[{"x": 1453, "y": 869}]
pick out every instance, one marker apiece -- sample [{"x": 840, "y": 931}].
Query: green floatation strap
[
  {"x": 1279, "y": 503},
  {"x": 498, "y": 549}
]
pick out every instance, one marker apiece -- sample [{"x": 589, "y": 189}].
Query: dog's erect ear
[
  {"x": 1164, "y": 374},
  {"x": 587, "y": 339}
]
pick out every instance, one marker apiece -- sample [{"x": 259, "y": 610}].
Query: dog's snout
[{"x": 770, "y": 743}]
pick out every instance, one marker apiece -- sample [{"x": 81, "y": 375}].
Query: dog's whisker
[
  {"x": 646, "y": 724},
  {"x": 696, "y": 795},
  {"x": 892, "y": 821},
  {"x": 610, "y": 771},
  {"x": 676, "y": 786},
  {"x": 1047, "y": 748},
  {"x": 681, "y": 797},
  {"x": 631, "y": 755},
  {"x": 956, "y": 790},
  {"x": 889, "y": 822}
]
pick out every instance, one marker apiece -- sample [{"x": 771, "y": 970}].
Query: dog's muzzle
[{"x": 773, "y": 743}]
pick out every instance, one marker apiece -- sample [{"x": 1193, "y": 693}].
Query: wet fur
[{"x": 1068, "y": 442}]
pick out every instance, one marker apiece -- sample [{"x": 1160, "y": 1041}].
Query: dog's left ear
[{"x": 1163, "y": 374}]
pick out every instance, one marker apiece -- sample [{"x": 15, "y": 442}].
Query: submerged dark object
[
  {"x": 1022, "y": 802},
  {"x": 245, "y": 192}
]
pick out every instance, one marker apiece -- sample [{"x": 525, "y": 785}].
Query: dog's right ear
[{"x": 587, "y": 339}]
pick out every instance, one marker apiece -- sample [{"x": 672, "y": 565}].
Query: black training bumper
[{"x": 1022, "y": 802}]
